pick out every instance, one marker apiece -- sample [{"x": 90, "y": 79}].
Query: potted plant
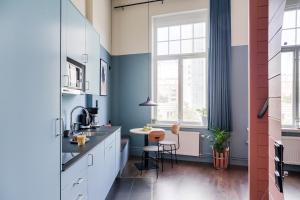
[
  {"x": 203, "y": 113},
  {"x": 220, "y": 148}
]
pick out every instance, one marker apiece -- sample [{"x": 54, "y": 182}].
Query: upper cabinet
[
  {"x": 80, "y": 43},
  {"x": 92, "y": 60},
  {"x": 75, "y": 27}
]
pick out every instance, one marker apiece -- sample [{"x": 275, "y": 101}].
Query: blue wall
[{"x": 130, "y": 87}]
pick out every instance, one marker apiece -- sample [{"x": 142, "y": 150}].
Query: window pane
[
  {"x": 287, "y": 63},
  {"x": 288, "y": 37},
  {"x": 162, "y": 34},
  {"x": 167, "y": 90},
  {"x": 289, "y": 19},
  {"x": 199, "y": 30},
  {"x": 174, "y": 32},
  {"x": 194, "y": 90},
  {"x": 186, "y": 46},
  {"x": 298, "y": 36},
  {"x": 162, "y": 48},
  {"x": 174, "y": 47},
  {"x": 298, "y": 18},
  {"x": 199, "y": 45},
  {"x": 187, "y": 31}
]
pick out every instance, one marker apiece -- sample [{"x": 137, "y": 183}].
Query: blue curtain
[{"x": 219, "y": 111}]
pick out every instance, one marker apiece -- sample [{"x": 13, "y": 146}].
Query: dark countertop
[{"x": 80, "y": 151}]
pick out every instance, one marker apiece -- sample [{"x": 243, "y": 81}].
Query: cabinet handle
[
  {"x": 92, "y": 160},
  {"x": 80, "y": 180},
  {"x": 57, "y": 131},
  {"x": 87, "y": 85},
  {"x": 80, "y": 197},
  {"x": 68, "y": 80},
  {"x": 85, "y": 58}
]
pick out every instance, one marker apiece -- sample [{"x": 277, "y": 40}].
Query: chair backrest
[
  {"x": 175, "y": 129},
  {"x": 156, "y": 136}
]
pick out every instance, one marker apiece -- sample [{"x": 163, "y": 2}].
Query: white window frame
[
  {"x": 191, "y": 17},
  {"x": 296, "y": 51}
]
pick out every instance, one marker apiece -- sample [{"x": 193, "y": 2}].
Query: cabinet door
[
  {"x": 30, "y": 99},
  {"x": 96, "y": 182},
  {"x": 75, "y": 33},
  {"x": 93, "y": 61},
  {"x": 113, "y": 162},
  {"x": 118, "y": 151}
]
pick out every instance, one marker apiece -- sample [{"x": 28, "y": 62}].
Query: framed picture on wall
[{"x": 103, "y": 78}]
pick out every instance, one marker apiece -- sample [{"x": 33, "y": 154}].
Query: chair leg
[
  {"x": 176, "y": 154},
  {"x": 162, "y": 161},
  {"x": 171, "y": 146},
  {"x": 156, "y": 162},
  {"x": 142, "y": 163}
]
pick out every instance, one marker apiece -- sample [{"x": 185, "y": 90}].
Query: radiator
[
  {"x": 291, "y": 154},
  {"x": 189, "y": 142}
]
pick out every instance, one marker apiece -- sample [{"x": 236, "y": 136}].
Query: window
[
  {"x": 290, "y": 68},
  {"x": 180, "y": 68}
]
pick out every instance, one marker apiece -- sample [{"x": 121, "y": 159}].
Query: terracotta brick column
[{"x": 258, "y": 92}]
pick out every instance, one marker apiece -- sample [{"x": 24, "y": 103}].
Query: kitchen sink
[{"x": 94, "y": 133}]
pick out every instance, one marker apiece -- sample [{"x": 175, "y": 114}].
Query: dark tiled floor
[
  {"x": 186, "y": 181},
  {"x": 131, "y": 189}
]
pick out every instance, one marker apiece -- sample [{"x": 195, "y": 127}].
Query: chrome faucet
[{"x": 71, "y": 118}]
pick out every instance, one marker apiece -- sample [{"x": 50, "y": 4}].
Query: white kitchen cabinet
[
  {"x": 30, "y": 76},
  {"x": 96, "y": 183},
  {"x": 93, "y": 61}
]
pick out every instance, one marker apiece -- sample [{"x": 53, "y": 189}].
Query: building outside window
[
  {"x": 290, "y": 68},
  {"x": 179, "y": 60}
]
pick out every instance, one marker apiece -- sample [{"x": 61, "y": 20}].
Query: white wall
[
  {"x": 239, "y": 22},
  {"x": 102, "y": 21},
  {"x": 80, "y": 4},
  {"x": 129, "y": 26},
  {"x": 99, "y": 14}
]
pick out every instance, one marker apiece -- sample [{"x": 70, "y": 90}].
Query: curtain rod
[{"x": 140, "y": 3}]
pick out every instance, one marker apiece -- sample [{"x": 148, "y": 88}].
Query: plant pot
[
  {"x": 204, "y": 120},
  {"x": 221, "y": 160}
]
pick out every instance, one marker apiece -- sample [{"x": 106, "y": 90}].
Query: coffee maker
[
  {"x": 89, "y": 122},
  {"x": 93, "y": 115}
]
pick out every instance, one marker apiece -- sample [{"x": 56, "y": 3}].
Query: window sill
[
  {"x": 187, "y": 126},
  {"x": 290, "y": 130}
]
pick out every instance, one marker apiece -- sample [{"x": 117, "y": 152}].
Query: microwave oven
[{"x": 74, "y": 78}]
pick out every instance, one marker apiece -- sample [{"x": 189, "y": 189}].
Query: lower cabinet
[
  {"x": 96, "y": 183},
  {"x": 74, "y": 183},
  {"x": 118, "y": 152},
  {"x": 109, "y": 162},
  {"x": 92, "y": 176}
]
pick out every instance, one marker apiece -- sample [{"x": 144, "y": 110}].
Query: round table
[{"x": 139, "y": 131}]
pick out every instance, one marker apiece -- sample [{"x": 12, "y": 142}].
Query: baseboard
[
  {"x": 206, "y": 158},
  {"x": 292, "y": 168}
]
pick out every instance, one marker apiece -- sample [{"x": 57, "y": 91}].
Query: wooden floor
[
  {"x": 291, "y": 187},
  {"x": 191, "y": 181}
]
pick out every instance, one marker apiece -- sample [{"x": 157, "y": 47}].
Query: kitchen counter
[{"x": 77, "y": 152}]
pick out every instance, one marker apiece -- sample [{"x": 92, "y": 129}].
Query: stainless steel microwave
[{"x": 74, "y": 79}]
